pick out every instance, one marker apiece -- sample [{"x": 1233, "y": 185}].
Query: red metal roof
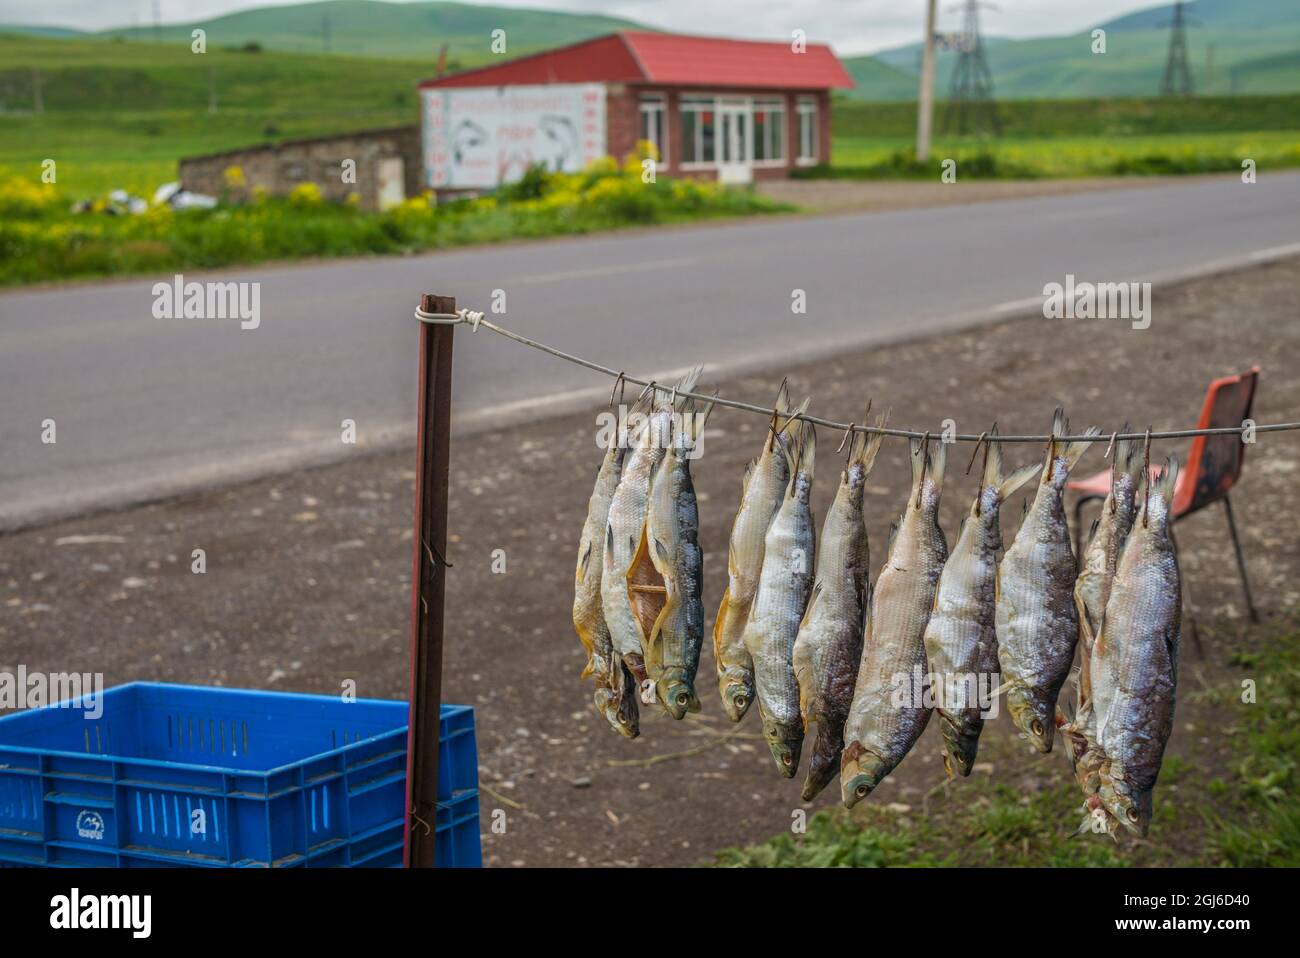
[{"x": 668, "y": 59}]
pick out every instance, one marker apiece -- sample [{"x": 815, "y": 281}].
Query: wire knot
[{"x": 471, "y": 316}]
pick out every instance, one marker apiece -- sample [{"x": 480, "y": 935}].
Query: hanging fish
[
  {"x": 789, "y": 553},
  {"x": 1091, "y": 592},
  {"x": 961, "y": 644},
  {"x": 762, "y": 491},
  {"x": 588, "y": 617},
  {"x": 672, "y": 529},
  {"x": 888, "y": 713},
  {"x": 1037, "y": 623},
  {"x": 631, "y": 591},
  {"x": 1135, "y": 660},
  {"x": 828, "y": 647}
]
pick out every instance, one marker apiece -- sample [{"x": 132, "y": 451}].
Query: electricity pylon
[
  {"x": 1177, "y": 80},
  {"x": 970, "y": 97}
]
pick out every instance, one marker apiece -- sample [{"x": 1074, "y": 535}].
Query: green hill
[
  {"x": 371, "y": 28},
  {"x": 1254, "y": 45},
  {"x": 879, "y": 81}
]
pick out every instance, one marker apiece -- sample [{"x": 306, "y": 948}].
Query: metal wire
[{"x": 476, "y": 320}]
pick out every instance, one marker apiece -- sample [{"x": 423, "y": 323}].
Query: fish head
[
  {"x": 960, "y": 745},
  {"x": 1130, "y": 807},
  {"x": 1033, "y": 716},
  {"x": 860, "y": 772},
  {"x": 620, "y": 712},
  {"x": 737, "y": 690},
  {"x": 677, "y": 694},
  {"x": 785, "y": 739}
]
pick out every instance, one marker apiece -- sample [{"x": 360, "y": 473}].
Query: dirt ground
[
  {"x": 852, "y": 196},
  {"x": 308, "y": 577}
]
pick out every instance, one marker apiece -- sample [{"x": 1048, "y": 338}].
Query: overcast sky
[{"x": 853, "y": 26}]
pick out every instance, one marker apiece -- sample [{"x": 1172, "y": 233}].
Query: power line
[
  {"x": 476, "y": 320},
  {"x": 970, "y": 97}
]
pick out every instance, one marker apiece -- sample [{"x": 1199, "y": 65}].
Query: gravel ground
[{"x": 307, "y": 581}]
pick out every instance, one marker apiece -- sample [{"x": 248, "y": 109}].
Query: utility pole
[
  {"x": 1177, "y": 80},
  {"x": 925, "y": 101}
]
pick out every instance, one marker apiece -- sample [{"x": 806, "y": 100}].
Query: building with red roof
[{"x": 733, "y": 110}]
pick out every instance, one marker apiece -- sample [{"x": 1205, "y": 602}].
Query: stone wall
[{"x": 278, "y": 167}]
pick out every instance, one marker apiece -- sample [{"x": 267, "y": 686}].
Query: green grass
[
  {"x": 1230, "y": 802},
  {"x": 863, "y": 157}
]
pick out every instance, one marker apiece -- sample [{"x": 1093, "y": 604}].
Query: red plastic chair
[{"x": 1213, "y": 466}]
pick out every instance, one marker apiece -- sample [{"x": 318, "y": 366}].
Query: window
[
  {"x": 654, "y": 123},
  {"x": 698, "y": 134},
  {"x": 769, "y": 131},
  {"x": 807, "y": 131}
]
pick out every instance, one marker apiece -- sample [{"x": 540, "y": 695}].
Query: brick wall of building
[{"x": 278, "y": 168}]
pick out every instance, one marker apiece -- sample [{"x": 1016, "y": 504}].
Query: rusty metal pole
[{"x": 428, "y": 585}]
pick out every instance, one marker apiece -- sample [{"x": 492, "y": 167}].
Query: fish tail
[
  {"x": 1162, "y": 486},
  {"x": 1071, "y": 452},
  {"x": 684, "y": 385},
  {"x": 824, "y": 765},
  {"x": 992, "y": 461},
  {"x": 1128, "y": 456},
  {"x": 1017, "y": 479},
  {"x": 807, "y": 459},
  {"x": 870, "y": 445},
  {"x": 929, "y": 463}
]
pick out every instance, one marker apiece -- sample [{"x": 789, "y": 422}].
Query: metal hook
[
  {"x": 620, "y": 383},
  {"x": 771, "y": 429},
  {"x": 847, "y": 433},
  {"x": 981, "y": 441},
  {"x": 925, "y": 462},
  {"x": 1146, "y": 475}
]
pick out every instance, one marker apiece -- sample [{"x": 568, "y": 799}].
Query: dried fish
[
  {"x": 888, "y": 713},
  {"x": 828, "y": 648},
  {"x": 672, "y": 529},
  {"x": 783, "y": 589},
  {"x": 762, "y": 492},
  {"x": 631, "y": 591},
  {"x": 1037, "y": 623},
  {"x": 961, "y": 643},
  {"x": 1135, "y": 660}
]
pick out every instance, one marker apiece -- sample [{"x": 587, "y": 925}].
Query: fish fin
[
  {"x": 700, "y": 419},
  {"x": 783, "y": 396},
  {"x": 583, "y": 560},
  {"x": 889, "y": 543},
  {"x": 808, "y": 449},
  {"x": 661, "y": 550},
  {"x": 1128, "y": 456},
  {"x": 871, "y": 445},
  {"x": 609, "y": 539},
  {"x": 794, "y": 415},
  {"x": 1164, "y": 483},
  {"x": 1071, "y": 452},
  {"x": 1092, "y": 531},
  {"x": 1017, "y": 479},
  {"x": 718, "y": 622},
  {"x": 992, "y": 478},
  {"x": 744, "y": 480},
  {"x": 685, "y": 385}
]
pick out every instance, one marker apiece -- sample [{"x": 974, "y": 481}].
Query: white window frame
[
  {"x": 699, "y": 103},
  {"x": 806, "y": 106},
  {"x": 655, "y": 103},
  {"x": 771, "y": 104}
]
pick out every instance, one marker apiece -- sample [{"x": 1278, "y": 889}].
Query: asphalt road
[{"x": 146, "y": 407}]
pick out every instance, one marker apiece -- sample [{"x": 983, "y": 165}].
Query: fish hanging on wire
[
  {"x": 672, "y": 531},
  {"x": 961, "y": 643},
  {"x": 888, "y": 712},
  {"x": 612, "y": 680},
  {"x": 631, "y": 591},
  {"x": 1134, "y": 663},
  {"x": 789, "y": 554},
  {"x": 1078, "y": 723},
  {"x": 1037, "y": 623},
  {"x": 828, "y": 648},
  {"x": 762, "y": 491}
]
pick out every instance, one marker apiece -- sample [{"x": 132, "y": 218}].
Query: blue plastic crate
[{"x": 188, "y": 775}]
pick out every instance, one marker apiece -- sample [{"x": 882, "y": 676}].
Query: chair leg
[
  {"x": 1241, "y": 559},
  {"x": 1186, "y": 615}
]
